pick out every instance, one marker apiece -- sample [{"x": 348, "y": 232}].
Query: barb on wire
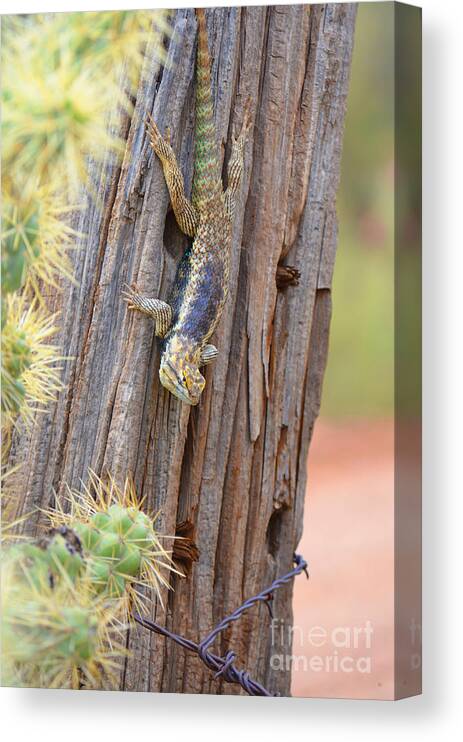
[{"x": 224, "y": 667}]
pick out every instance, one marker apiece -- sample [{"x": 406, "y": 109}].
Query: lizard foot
[
  {"x": 158, "y": 310},
  {"x": 160, "y": 144},
  {"x": 208, "y": 355}
]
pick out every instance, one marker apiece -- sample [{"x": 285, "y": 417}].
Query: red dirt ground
[{"x": 348, "y": 542}]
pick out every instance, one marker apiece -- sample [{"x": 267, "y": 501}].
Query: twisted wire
[{"x": 224, "y": 667}]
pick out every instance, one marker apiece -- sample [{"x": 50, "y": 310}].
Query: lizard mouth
[{"x": 170, "y": 381}]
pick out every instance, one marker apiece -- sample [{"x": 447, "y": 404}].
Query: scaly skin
[{"x": 186, "y": 322}]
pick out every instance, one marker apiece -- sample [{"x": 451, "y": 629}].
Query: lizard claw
[
  {"x": 152, "y": 129},
  {"x": 129, "y": 295},
  {"x": 160, "y": 144}
]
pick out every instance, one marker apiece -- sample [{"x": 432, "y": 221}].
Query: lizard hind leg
[
  {"x": 236, "y": 162},
  {"x": 208, "y": 354},
  {"x": 185, "y": 213},
  {"x": 158, "y": 310}
]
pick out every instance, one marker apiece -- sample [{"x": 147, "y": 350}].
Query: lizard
[{"x": 188, "y": 319}]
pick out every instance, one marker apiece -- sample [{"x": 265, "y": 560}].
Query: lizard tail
[{"x": 206, "y": 180}]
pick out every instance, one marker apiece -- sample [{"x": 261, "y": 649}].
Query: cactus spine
[{"x": 67, "y": 597}]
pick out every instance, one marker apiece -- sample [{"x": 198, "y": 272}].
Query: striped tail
[{"x": 206, "y": 179}]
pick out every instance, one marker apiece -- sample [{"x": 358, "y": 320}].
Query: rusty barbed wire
[{"x": 224, "y": 667}]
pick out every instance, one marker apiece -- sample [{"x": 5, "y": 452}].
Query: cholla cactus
[
  {"x": 60, "y": 84},
  {"x": 122, "y": 549},
  {"x": 61, "y": 76},
  {"x": 116, "y": 39},
  {"x": 56, "y": 635},
  {"x": 67, "y": 597},
  {"x": 35, "y": 238},
  {"x": 66, "y": 120},
  {"x": 30, "y": 372}
]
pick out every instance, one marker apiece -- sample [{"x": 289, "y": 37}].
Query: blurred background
[{"x": 343, "y": 618}]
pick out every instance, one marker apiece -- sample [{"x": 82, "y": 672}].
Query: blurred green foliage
[
  {"x": 359, "y": 380},
  {"x": 408, "y": 215}
]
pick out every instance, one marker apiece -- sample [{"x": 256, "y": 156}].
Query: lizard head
[{"x": 179, "y": 372}]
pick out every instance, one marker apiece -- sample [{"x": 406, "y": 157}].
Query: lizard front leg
[
  {"x": 185, "y": 212},
  {"x": 236, "y": 164},
  {"x": 158, "y": 310},
  {"x": 208, "y": 354}
]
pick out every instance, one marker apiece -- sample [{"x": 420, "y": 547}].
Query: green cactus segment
[
  {"x": 105, "y": 579},
  {"x": 45, "y": 562},
  {"x": 29, "y": 566},
  {"x": 88, "y": 536},
  {"x": 55, "y": 628},
  {"x": 115, "y": 544},
  {"x": 130, "y": 561},
  {"x": 62, "y": 559},
  {"x": 109, "y": 551},
  {"x": 80, "y": 629},
  {"x": 65, "y": 597},
  {"x": 52, "y": 635},
  {"x": 37, "y": 635},
  {"x": 19, "y": 243},
  {"x": 16, "y": 359}
]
